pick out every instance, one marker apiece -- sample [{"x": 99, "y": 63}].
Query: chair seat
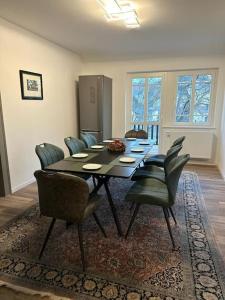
[
  {"x": 149, "y": 172},
  {"x": 156, "y": 160},
  {"x": 149, "y": 191}
]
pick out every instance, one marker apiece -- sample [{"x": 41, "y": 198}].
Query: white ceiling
[{"x": 168, "y": 27}]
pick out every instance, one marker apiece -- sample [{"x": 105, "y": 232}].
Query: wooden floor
[{"x": 212, "y": 184}]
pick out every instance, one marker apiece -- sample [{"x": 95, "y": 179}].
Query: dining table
[{"x": 110, "y": 166}]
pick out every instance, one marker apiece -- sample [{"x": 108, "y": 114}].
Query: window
[
  {"x": 194, "y": 98},
  {"x": 146, "y": 99}
]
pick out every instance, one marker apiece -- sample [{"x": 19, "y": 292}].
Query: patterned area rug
[{"x": 141, "y": 267}]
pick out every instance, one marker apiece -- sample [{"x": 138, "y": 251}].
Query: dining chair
[
  {"x": 74, "y": 145},
  {"x": 151, "y": 171},
  {"x": 88, "y": 139},
  {"x": 178, "y": 141},
  {"x": 66, "y": 197},
  {"x": 140, "y": 134},
  {"x": 155, "y": 192},
  {"x": 158, "y": 159},
  {"x": 48, "y": 154}
]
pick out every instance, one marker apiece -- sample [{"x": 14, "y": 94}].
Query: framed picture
[{"x": 31, "y": 85}]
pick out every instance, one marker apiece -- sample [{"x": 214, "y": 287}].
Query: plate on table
[
  {"x": 97, "y": 147},
  {"x": 92, "y": 167},
  {"x": 131, "y": 139},
  {"x": 137, "y": 150},
  {"x": 144, "y": 143},
  {"x": 80, "y": 155},
  {"x": 108, "y": 141},
  {"x": 127, "y": 159}
]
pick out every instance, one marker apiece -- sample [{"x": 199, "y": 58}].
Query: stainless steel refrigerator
[{"x": 95, "y": 105}]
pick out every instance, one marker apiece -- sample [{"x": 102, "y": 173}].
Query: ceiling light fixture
[{"x": 117, "y": 10}]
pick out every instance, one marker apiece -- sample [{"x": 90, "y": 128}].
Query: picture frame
[{"x": 31, "y": 85}]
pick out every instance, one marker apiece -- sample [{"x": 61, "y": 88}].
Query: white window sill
[{"x": 188, "y": 127}]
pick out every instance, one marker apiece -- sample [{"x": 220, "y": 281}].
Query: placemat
[
  {"x": 85, "y": 159},
  {"x": 139, "y": 159}
]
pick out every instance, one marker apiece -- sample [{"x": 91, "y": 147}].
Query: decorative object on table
[
  {"x": 116, "y": 146},
  {"x": 127, "y": 159},
  {"x": 80, "y": 155},
  {"x": 92, "y": 166},
  {"x": 31, "y": 85}
]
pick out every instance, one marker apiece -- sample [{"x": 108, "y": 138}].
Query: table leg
[{"x": 113, "y": 209}]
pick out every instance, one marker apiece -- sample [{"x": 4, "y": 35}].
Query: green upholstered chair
[
  {"x": 142, "y": 134},
  {"x": 48, "y": 154},
  {"x": 138, "y": 134},
  {"x": 66, "y": 197},
  {"x": 130, "y": 134},
  {"x": 74, "y": 145},
  {"x": 155, "y": 192},
  {"x": 178, "y": 141},
  {"x": 158, "y": 159},
  {"x": 88, "y": 139},
  {"x": 154, "y": 171}
]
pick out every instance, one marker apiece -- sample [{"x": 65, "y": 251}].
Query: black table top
[{"x": 110, "y": 161}]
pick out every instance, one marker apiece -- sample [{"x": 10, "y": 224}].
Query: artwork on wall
[{"x": 31, "y": 85}]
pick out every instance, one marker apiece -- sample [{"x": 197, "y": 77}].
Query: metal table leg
[{"x": 113, "y": 209}]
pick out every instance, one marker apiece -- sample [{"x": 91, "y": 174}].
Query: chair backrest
[
  {"x": 171, "y": 153},
  {"x": 174, "y": 171},
  {"x": 130, "y": 134},
  {"x": 62, "y": 196},
  {"x": 140, "y": 134},
  {"x": 48, "y": 154},
  {"x": 178, "y": 141},
  {"x": 88, "y": 139},
  {"x": 74, "y": 145}
]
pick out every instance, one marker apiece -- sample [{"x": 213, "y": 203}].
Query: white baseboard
[{"x": 22, "y": 185}]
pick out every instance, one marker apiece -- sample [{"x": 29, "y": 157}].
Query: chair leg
[
  {"x": 132, "y": 219},
  {"x": 132, "y": 205},
  {"x": 80, "y": 234},
  {"x": 99, "y": 224},
  {"x": 94, "y": 182},
  {"x": 172, "y": 214},
  {"x": 47, "y": 237},
  {"x": 166, "y": 214}
]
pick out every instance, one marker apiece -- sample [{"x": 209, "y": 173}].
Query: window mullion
[
  {"x": 146, "y": 104},
  {"x": 192, "y": 99}
]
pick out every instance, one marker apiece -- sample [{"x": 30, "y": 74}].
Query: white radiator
[{"x": 198, "y": 143}]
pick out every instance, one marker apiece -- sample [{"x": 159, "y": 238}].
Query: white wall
[
  {"x": 28, "y": 123},
  {"x": 118, "y": 72}
]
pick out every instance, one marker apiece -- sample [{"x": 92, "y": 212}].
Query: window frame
[
  {"x": 194, "y": 74},
  {"x": 145, "y": 75}
]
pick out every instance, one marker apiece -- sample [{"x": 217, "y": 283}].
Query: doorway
[{"x": 145, "y": 105}]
